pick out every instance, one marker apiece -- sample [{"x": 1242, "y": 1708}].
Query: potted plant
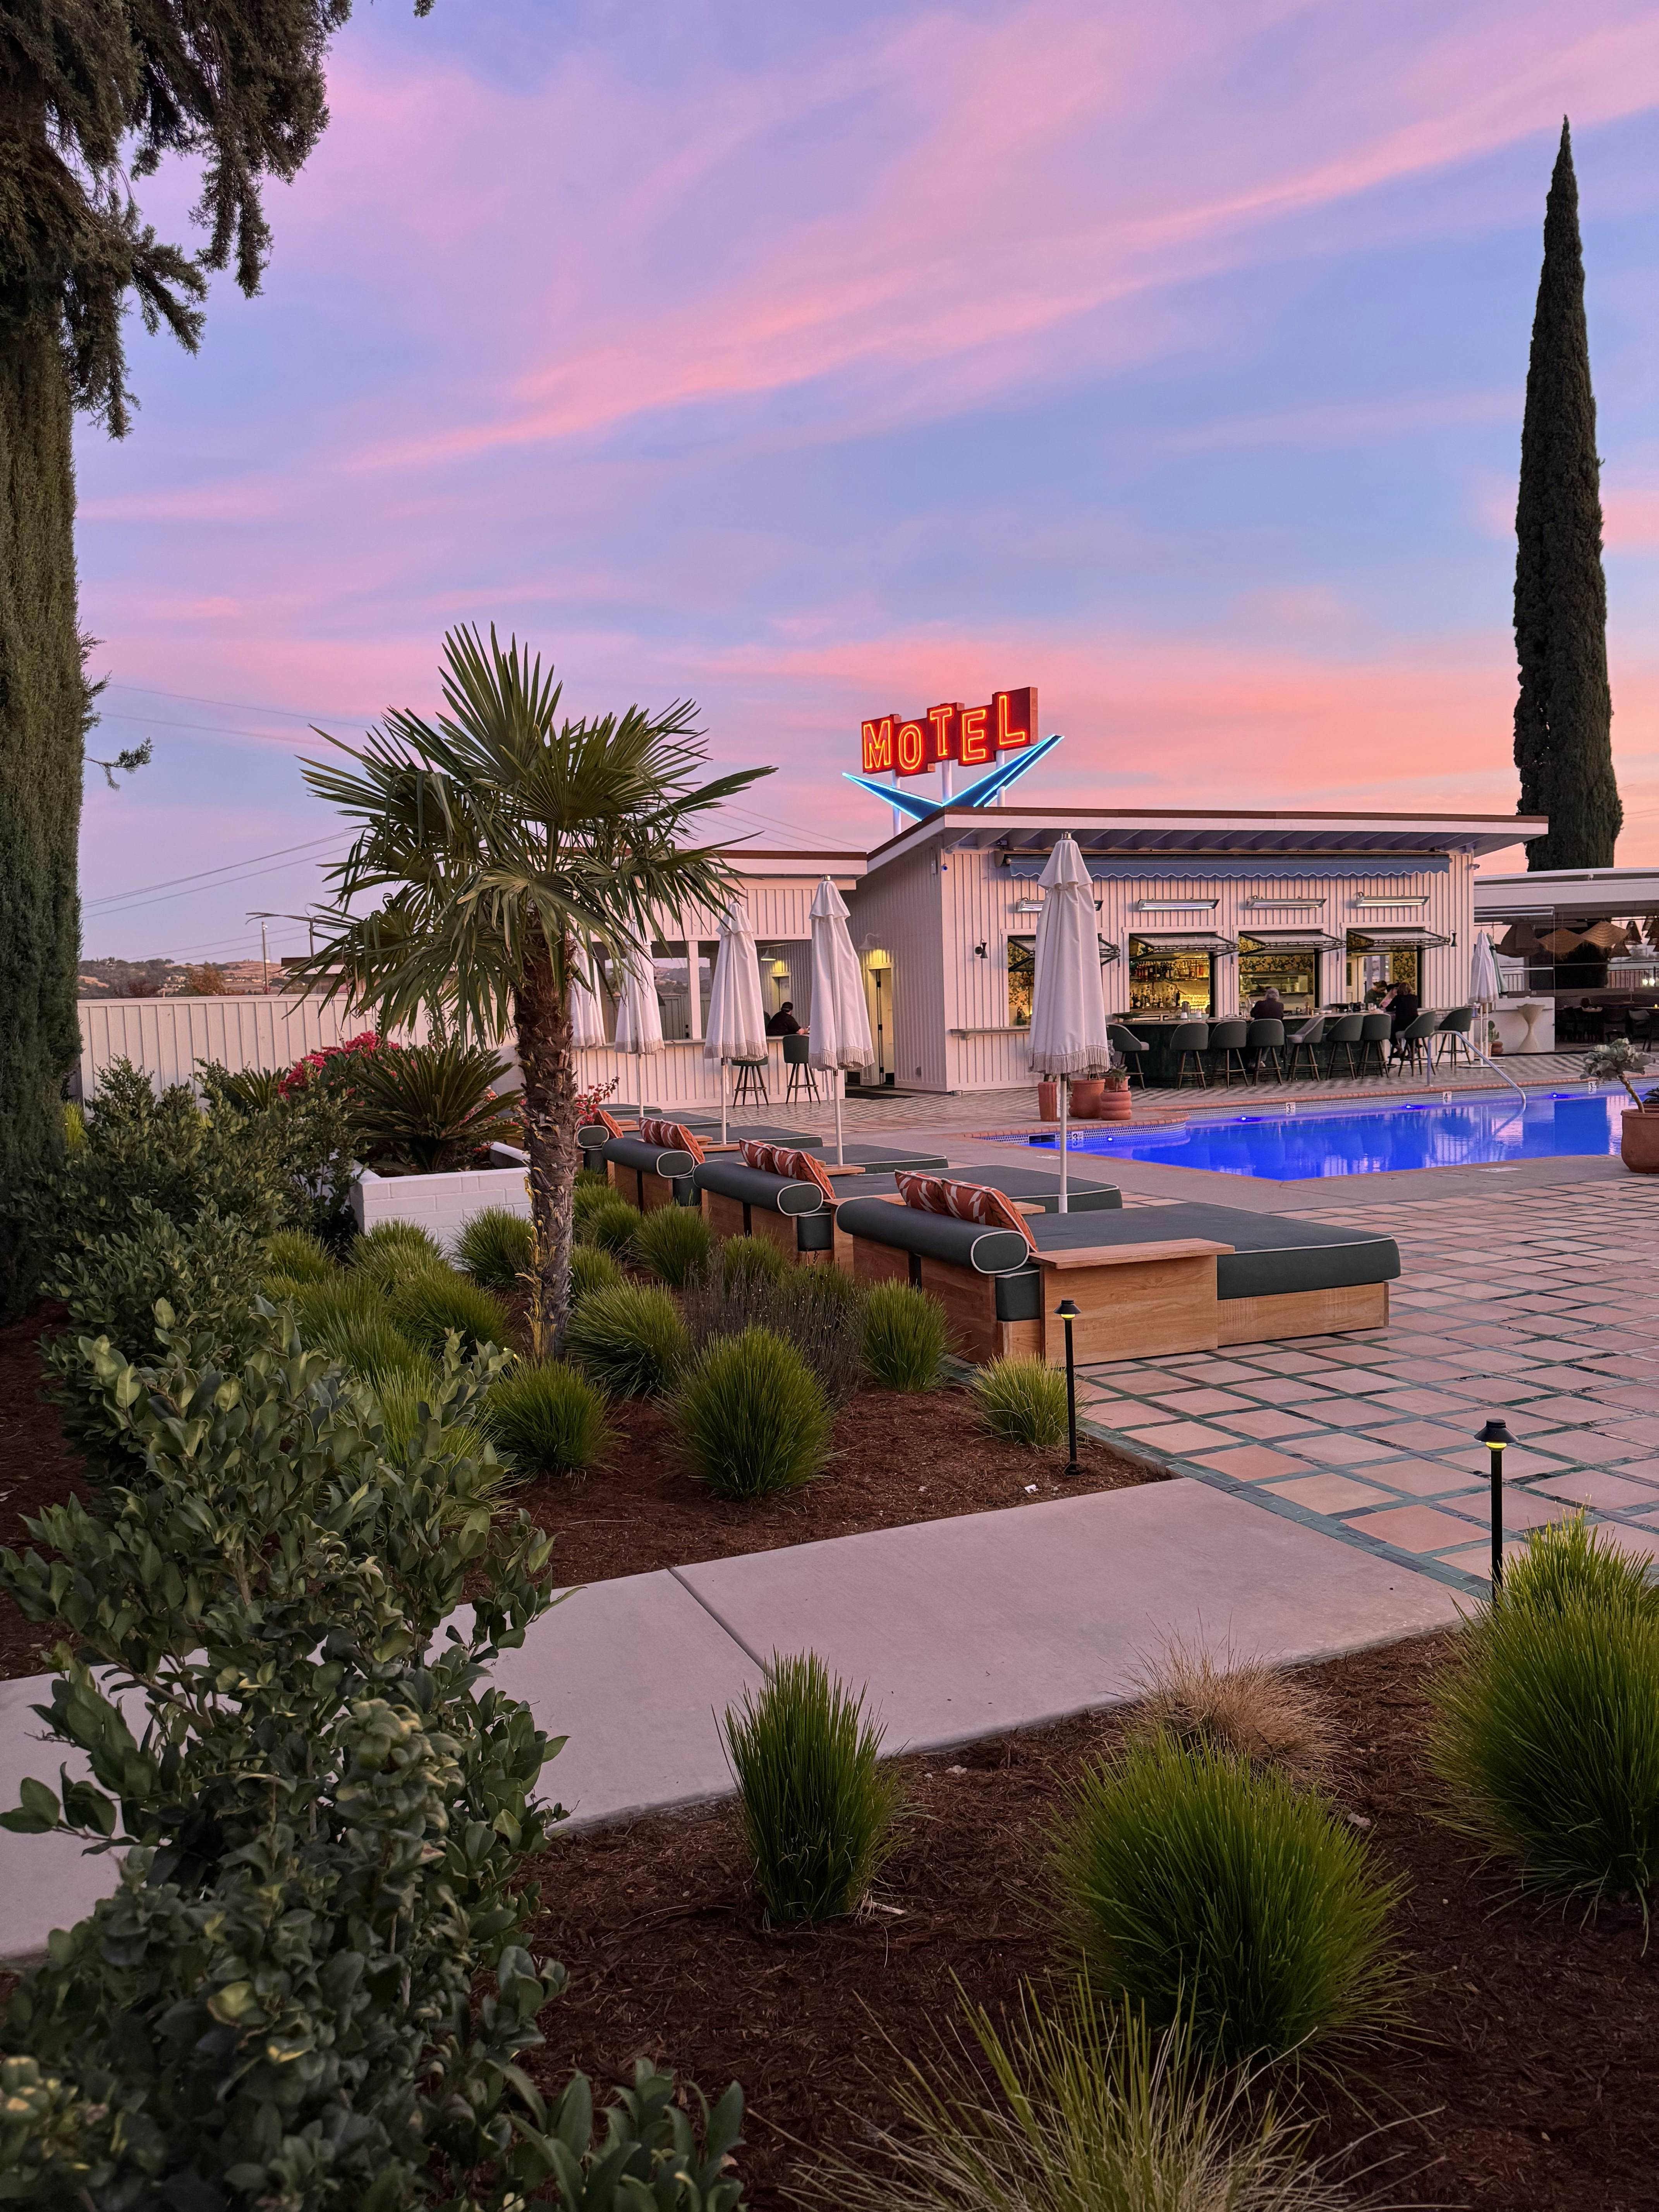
[
  {"x": 1115, "y": 1093},
  {"x": 1638, "y": 1133}
]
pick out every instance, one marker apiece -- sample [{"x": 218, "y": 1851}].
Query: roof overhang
[
  {"x": 1149, "y": 833},
  {"x": 1595, "y": 893}
]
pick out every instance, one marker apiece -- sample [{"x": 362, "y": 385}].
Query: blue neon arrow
[{"x": 981, "y": 793}]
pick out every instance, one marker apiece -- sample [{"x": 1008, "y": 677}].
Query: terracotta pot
[
  {"x": 1048, "y": 1101},
  {"x": 1638, "y": 1142},
  {"x": 1087, "y": 1090},
  {"x": 1114, "y": 1104}
]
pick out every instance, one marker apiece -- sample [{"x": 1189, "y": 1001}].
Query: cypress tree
[
  {"x": 93, "y": 97},
  {"x": 1563, "y": 710}
]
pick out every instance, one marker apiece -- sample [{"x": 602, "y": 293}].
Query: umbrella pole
[
  {"x": 841, "y": 1084},
  {"x": 722, "y": 1102},
  {"x": 1065, "y": 1101}
]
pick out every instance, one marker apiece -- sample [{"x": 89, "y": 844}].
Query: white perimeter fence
[{"x": 167, "y": 1037}]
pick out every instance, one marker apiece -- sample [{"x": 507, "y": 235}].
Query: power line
[
  {"x": 202, "y": 729},
  {"x": 130, "y": 906},
  {"x": 249, "y": 860},
  {"x": 237, "y": 706}
]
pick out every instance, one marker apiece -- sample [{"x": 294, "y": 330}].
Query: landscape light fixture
[
  {"x": 1067, "y": 1312},
  {"x": 1495, "y": 1436}
]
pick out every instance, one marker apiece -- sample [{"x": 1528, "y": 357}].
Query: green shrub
[
  {"x": 818, "y": 1805},
  {"x": 1197, "y": 1885},
  {"x": 75, "y": 1127},
  {"x": 550, "y": 1420},
  {"x": 751, "y": 1416},
  {"x": 297, "y": 1256},
  {"x": 1096, "y": 2113},
  {"x": 345, "y": 1298},
  {"x": 250, "y": 1090},
  {"x": 414, "y": 1417},
  {"x": 1023, "y": 1401},
  {"x": 430, "y": 1107},
  {"x": 630, "y": 1340},
  {"x": 904, "y": 1339},
  {"x": 673, "y": 1242},
  {"x": 372, "y": 1347},
  {"x": 591, "y": 1269},
  {"x": 394, "y": 1251},
  {"x": 496, "y": 1248},
  {"x": 820, "y": 1310},
  {"x": 591, "y": 1188},
  {"x": 1547, "y": 1730},
  {"x": 428, "y": 1305},
  {"x": 610, "y": 1225},
  {"x": 741, "y": 1257}
]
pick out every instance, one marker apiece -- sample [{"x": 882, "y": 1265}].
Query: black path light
[
  {"x": 1495, "y": 1436},
  {"x": 1068, "y": 1312}
]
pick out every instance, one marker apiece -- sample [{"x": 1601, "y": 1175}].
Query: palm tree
[{"x": 509, "y": 848}]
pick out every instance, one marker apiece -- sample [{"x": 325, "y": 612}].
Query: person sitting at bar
[
  {"x": 783, "y": 1023},
  {"x": 1269, "y": 1007},
  {"x": 1404, "y": 1006}
]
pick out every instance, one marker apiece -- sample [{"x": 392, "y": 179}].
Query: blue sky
[{"x": 1170, "y": 360}]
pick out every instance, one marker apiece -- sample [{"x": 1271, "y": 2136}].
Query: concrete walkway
[{"x": 957, "y": 1629}]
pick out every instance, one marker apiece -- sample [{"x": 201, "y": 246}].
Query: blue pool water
[{"x": 1282, "y": 1146}]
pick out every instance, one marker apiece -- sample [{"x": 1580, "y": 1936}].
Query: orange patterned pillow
[
  {"x": 962, "y": 1201},
  {"x": 599, "y": 1118},
  {"x": 782, "y": 1160},
  {"x": 672, "y": 1136}
]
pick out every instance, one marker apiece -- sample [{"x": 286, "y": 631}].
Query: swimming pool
[{"x": 1281, "y": 1145}]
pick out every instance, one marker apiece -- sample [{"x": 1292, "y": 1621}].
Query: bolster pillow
[
  {"x": 753, "y": 1186},
  {"x": 934, "y": 1235},
  {"x": 650, "y": 1159}
]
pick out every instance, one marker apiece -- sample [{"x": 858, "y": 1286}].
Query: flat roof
[
  {"x": 1150, "y": 832},
  {"x": 1578, "y": 890}
]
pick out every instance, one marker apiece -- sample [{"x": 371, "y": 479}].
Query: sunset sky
[{"x": 817, "y": 360}]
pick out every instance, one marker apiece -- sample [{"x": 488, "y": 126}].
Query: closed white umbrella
[
  {"x": 1484, "y": 984},
  {"x": 587, "y": 1016},
  {"x": 839, "y": 1032},
  {"x": 639, "y": 1017},
  {"x": 736, "y": 1029},
  {"x": 1068, "y": 1034}
]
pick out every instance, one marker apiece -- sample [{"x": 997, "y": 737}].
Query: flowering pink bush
[
  {"x": 334, "y": 1064},
  {"x": 588, "y": 1100}
]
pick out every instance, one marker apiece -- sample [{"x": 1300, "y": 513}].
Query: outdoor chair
[
  {"x": 1264, "y": 1040},
  {"x": 1641, "y": 1025},
  {"x": 1411, "y": 1046},
  {"x": 751, "y": 1083},
  {"x": 1375, "y": 1030},
  {"x": 1128, "y": 1047},
  {"x": 1345, "y": 1033},
  {"x": 801, "y": 1077},
  {"x": 1451, "y": 1042},
  {"x": 1190, "y": 1041},
  {"x": 1306, "y": 1040},
  {"x": 1226, "y": 1046}
]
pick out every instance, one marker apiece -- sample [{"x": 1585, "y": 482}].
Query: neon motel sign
[{"x": 971, "y": 736}]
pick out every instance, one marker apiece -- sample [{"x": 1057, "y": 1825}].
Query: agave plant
[
  {"x": 431, "y": 1106},
  {"x": 1619, "y": 1057}
]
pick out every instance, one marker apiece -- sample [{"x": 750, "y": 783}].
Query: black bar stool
[
  {"x": 1343, "y": 1033},
  {"x": 1227, "y": 1041},
  {"x": 801, "y": 1075},
  {"x": 1375, "y": 1031},
  {"x": 1307, "y": 1039},
  {"x": 1129, "y": 1047},
  {"x": 1266, "y": 1040},
  {"x": 1190, "y": 1041},
  {"x": 751, "y": 1083}
]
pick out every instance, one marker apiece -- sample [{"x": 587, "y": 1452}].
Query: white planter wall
[{"x": 441, "y": 1203}]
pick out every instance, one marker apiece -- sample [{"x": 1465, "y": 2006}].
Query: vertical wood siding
[{"x": 900, "y": 909}]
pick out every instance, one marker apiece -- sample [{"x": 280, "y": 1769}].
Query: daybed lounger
[
  {"x": 790, "y": 1212},
  {"x": 645, "y": 1174},
  {"x": 1154, "y": 1280}
]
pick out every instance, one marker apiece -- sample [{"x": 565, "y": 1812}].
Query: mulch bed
[
  {"x": 36, "y": 1470},
  {"x": 1530, "y": 2083},
  {"x": 898, "y": 1457}
]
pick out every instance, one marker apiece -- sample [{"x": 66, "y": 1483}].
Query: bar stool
[
  {"x": 1227, "y": 1039},
  {"x": 1375, "y": 1031},
  {"x": 1190, "y": 1041},
  {"x": 1347, "y": 1032},
  {"x": 1129, "y": 1047},
  {"x": 1412, "y": 1048},
  {"x": 1266, "y": 1039},
  {"x": 1306, "y": 1040},
  {"x": 1453, "y": 1037},
  {"x": 751, "y": 1083},
  {"x": 801, "y": 1075}
]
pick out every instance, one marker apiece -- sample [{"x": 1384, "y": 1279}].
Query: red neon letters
[{"x": 972, "y": 735}]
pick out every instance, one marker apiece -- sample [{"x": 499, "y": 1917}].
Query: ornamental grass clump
[
  {"x": 496, "y": 1248},
  {"x": 743, "y": 1257},
  {"x": 372, "y": 1347},
  {"x": 817, "y": 1806},
  {"x": 395, "y": 1249},
  {"x": 753, "y": 1417},
  {"x": 1198, "y": 1886},
  {"x": 1547, "y": 1725},
  {"x": 296, "y": 1256},
  {"x": 1262, "y": 1713},
  {"x": 547, "y": 1420},
  {"x": 1023, "y": 1401},
  {"x": 611, "y": 1224},
  {"x": 904, "y": 1339},
  {"x": 431, "y": 1304},
  {"x": 673, "y": 1242},
  {"x": 1096, "y": 2112},
  {"x": 820, "y": 1310},
  {"x": 629, "y": 1339},
  {"x": 591, "y": 1269}
]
